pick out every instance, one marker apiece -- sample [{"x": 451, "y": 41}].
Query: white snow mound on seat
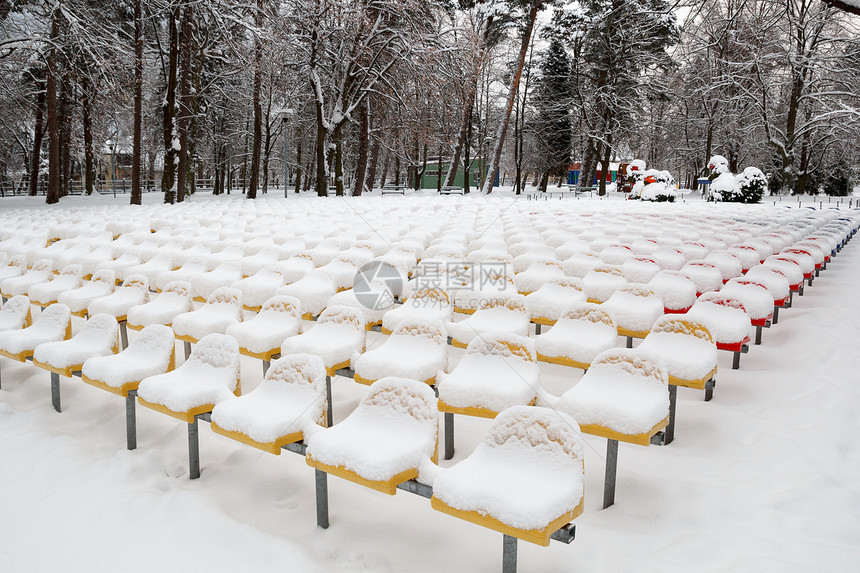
[
  {"x": 208, "y": 376},
  {"x": 526, "y": 473},
  {"x": 290, "y": 399},
  {"x": 391, "y": 431},
  {"x": 49, "y": 326},
  {"x": 147, "y": 355},
  {"x": 96, "y": 338}
]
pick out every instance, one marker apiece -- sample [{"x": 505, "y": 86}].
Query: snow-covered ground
[{"x": 762, "y": 478}]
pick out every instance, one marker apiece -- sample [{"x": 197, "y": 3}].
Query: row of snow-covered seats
[{"x": 323, "y": 322}]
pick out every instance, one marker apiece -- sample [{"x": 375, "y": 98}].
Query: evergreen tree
[{"x": 552, "y": 123}]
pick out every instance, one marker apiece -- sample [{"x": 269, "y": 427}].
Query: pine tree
[{"x": 552, "y": 123}]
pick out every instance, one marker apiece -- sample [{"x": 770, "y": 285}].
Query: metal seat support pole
[
  {"x": 193, "y": 451},
  {"x": 123, "y": 334},
  {"x": 55, "y": 391},
  {"x": 709, "y": 389},
  {"x": 609, "y": 478},
  {"x": 537, "y": 328},
  {"x": 509, "y": 554},
  {"x": 629, "y": 342},
  {"x": 449, "y": 435},
  {"x": 265, "y": 367},
  {"x": 131, "y": 420},
  {"x": 329, "y": 414},
  {"x": 775, "y": 314},
  {"x": 669, "y": 433},
  {"x": 758, "y": 330},
  {"x": 736, "y": 361},
  {"x": 321, "y": 487},
  {"x": 187, "y": 346}
]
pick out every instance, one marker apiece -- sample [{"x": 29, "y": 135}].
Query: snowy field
[{"x": 762, "y": 478}]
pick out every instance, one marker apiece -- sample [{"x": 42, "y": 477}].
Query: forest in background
[{"x": 346, "y": 95}]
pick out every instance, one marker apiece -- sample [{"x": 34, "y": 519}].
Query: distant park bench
[
  {"x": 452, "y": 190},
  {"x": 394, "y": 190}
]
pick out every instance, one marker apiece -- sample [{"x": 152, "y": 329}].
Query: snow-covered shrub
[
  {"x": 657, "y": 186},
  {"x": 724, "y": 187},
  {"x": 750, "y": 186}
]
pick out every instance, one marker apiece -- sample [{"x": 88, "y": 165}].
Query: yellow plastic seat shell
[{"x": 536, "y": 536}]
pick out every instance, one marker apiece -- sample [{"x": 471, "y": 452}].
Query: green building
[{"x": 430, "y": 179}]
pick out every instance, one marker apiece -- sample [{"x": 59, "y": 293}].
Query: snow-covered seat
[
  {"x": 98, "y": 337},
  {"x": 343, "y": 268},
  {"x": 313, "y": 290},
  {"x": 677, "y": 291},
  {"x": 706, "y": 275},
  {"x": 489, "y": 280},
  {"x": 746, "y": 254},
  {"x": 14, "y": 267},
  {"x": 252, "y": 264},
  {"x": 537, "y": 275},
  {"x": 134, "y": 291},
  {"x": 290, "y": 401},
  {"x": 193, "y": 267},
  {"x": 152, "y": 352},
  {"x": 525, "y": 479},
  {"x": 53, "y": 324},
  {"x": 337, "y": 335},
  {"x": 203, "y": 284},
  {"x": 44, "y": 294},
  {"x": 777, "y": 284},
  {"x": 726, "y": 320},
  {"x": 41, "y": 273},
  {"x": 581, "y": 263},
  {"x": 296, "y": 267},
  {"x": 728, "y": 264},
  {"x": 640, "y": 269},
  {"x": 809, "y": 258},
  {"x": 120, "y": 264},
  {"x": 222, "y": 309},
  {"x": 160, "y": 263},
  {"x": 101, "y": 284},
  {"x": 502, "y": 313},
  {"x": 547, "y": 304},
  {"x": 634, "y": 308},
  {"x": 15, "y": 313},
  {"x": 624, "y": 397},
  {"x": 208, "y": 376},
  {"x": 497, "y": 371},
  {"x": 261, "y": 336},
  {"x": 259, "y": 287},
  {"x": 372, "y": 316},
  {"x": 756, "y": 299},
  {"x": 417, "y": 349},
  {"x": 423, "y": 304},
  {"x": 669, "y": 258},
  {"x": 91, "y": 259},
  {"x": 382, "y": 443},
  {"x": 583, "y": 332},
  {"x": 687, "y": 349},
  {"x": 174, "y": 300},
  {"x": 601, "y": 281}
]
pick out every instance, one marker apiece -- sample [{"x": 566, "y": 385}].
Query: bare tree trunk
[
  {"x": 168, "y": 177},
  {"x": 604, "y": 169},
  {"x": 53, "y": 194},
  {"x": 89, "y": 170},
  {"x": 184, "y": 100},
  {"x": 512, "y": 92},
  {"x": 64, "y": 118},
  {"x": 38, "y": 134},
  {"x": 370, "y": 179},
  {"x": 363, "y": 144},
  {"x": 258, "y": 111},
  {"x": 465, "y": 125},
  {"x": 384, "y": 177},
  {"x": 298, "y": 186},
  {"x": 321, "y": 175},
  {"x": 338, "y": 163},
  {"x": 136, "y": 194}
]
